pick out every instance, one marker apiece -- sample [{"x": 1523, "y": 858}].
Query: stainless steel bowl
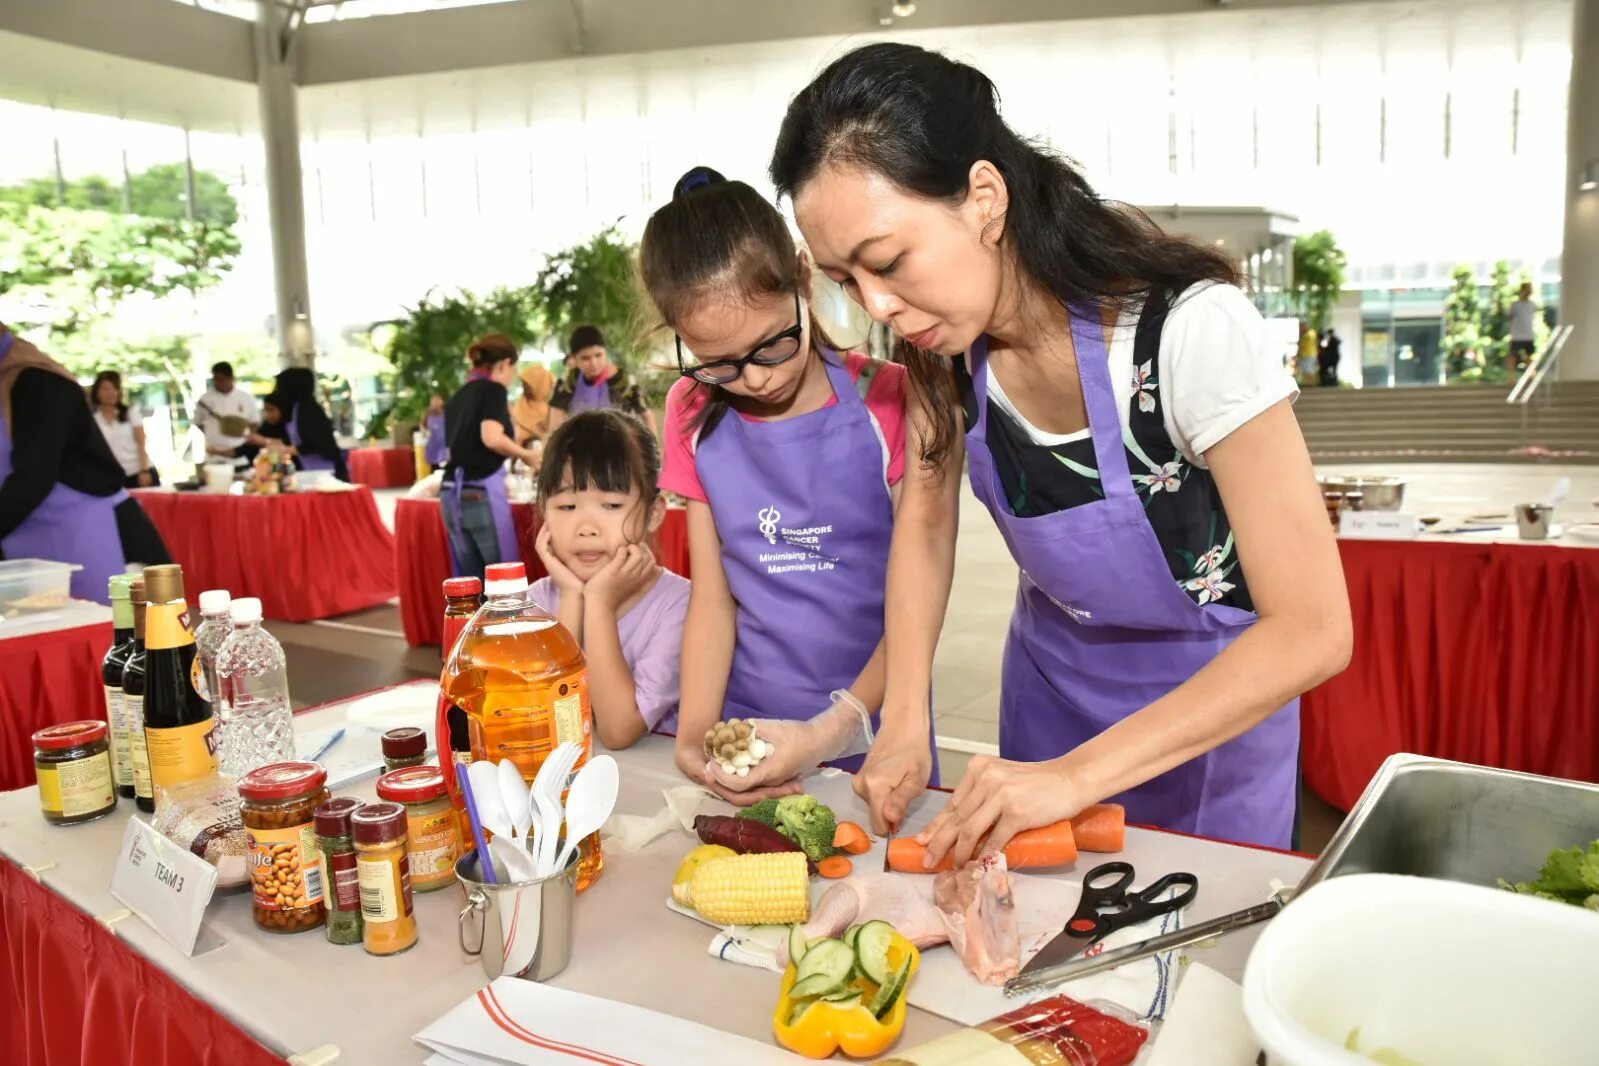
[
  {"x": 1458, "y": 822},
  {"x": 1377, "y": 493}
]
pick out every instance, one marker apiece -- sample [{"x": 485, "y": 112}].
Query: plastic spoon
[
  {"x": 490, "y": 805},
  {"x": 1557, "y": 494},
  {"x": 589, "y": 804},
  {"x": 513, "y": 793},
  {"x": 518, "y": 863}
]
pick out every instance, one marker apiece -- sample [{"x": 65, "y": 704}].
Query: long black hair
[
  {"x": 718, "y": 239},
  {"x": 94, "y": 393},
  {"x": 921, "y": 119}
]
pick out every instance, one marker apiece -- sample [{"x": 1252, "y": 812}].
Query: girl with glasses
[{"x": 793, "y": 457}]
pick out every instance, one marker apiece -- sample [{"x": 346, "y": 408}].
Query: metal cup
[
  {"x": 524, "y": 928},
  {"x": 1532, "y": 520}
]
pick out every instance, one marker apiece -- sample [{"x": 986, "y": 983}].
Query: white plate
[{"x": 1588, "y": 531}]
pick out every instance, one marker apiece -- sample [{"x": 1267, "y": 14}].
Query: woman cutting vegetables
[{"x": 1129, "y": 429}]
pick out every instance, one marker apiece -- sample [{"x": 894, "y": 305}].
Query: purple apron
[
  {"x": 803, "y": 510},
  {"x": 1101, "y": 629},
  {"x": 590, "y": 396},
  {"x": 307, "y": 460},
  {"x": 68, "y": 526},
  {"x": 499, "y": 506},
  {"x": 436, "y": 451}
]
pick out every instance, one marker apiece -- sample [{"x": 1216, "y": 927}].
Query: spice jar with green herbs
[{"x": 340, "y": 879}]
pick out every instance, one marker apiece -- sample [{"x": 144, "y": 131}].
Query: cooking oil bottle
[{"x": 522, "y": 680}]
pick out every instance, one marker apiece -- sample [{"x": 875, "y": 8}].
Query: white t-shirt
[
  {"x": 119, "y": 435},
  {"x": 1218, "y": 369},
  {"x": 214, "y": 405},
  {"x": 1522, "y": 313}
]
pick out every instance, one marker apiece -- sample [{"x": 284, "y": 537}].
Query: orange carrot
[
  {"x": 1102, "y": 827},
  {"x": 1049, "y": 845},
  {"x": 851, "y": 838},
  {"x": 835, "y": 867}
]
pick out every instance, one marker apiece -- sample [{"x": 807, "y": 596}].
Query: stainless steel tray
[{"x": 1458, "y": 822}]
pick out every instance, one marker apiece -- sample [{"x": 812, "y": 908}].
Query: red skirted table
[
  {"x": 1483, "y": 653},
  {"x": 382, "y": 468},
  {"x": 422, "y": 556},
  {"x": 49, "y": 675},
  {"x": 307, "y": 555}
]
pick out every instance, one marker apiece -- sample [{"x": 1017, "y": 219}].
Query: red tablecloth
[
  {"x": 422, "y": 556},
  {"x": 307, "y": 555},
  {"x": 47, "y": 678},
  {"x": 382, "y": 468},
  {"x": 76, "y": 994},
  {"x": 1485, "y": 653}
]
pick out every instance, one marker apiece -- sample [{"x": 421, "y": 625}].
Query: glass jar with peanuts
[{"x": 278, "y": 805}]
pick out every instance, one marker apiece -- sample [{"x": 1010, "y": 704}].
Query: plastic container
[
  {"x": 523, "y": 682},
  {"x": 30, "y": 585},
  {"x": 1437, "y": 971},
  {"x": 213, "y": 631},
  {"x": 257, "y": 717}
]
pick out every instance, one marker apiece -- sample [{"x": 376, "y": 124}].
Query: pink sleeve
[
  {"x": 677, "y": 452},
  {"x": 886, "y": 399}
]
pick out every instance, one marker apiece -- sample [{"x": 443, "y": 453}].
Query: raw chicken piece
[
  {"x": 978, "y": 910},
  {"x": 900, "y": 901}
]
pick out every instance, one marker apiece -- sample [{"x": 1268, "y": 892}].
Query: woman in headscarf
[
  {"x": 530, "y": 414},
  {"x": 61, "y": 494},
  {"x": 309, "y": 430}
]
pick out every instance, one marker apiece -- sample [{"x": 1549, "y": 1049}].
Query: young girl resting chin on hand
[{"x": 598, "y": 498}]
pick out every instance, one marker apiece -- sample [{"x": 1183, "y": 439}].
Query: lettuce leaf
[{"x": 1569, "y": 875}]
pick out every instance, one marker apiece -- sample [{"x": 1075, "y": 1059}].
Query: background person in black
[
  {"x": 309, "y": 430},
  {"x": 1331, "y": 350},
  {"x": 477, "y": 424},
  {"x": 61, "y": 495}
]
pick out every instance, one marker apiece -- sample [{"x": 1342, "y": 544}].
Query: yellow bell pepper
[{"x": 828, "y": 1027}]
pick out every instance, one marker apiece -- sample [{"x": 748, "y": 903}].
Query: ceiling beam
[{"x": 152, "y": 31}]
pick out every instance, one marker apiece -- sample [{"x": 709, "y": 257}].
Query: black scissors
[{"x": 1106, "y": 906}]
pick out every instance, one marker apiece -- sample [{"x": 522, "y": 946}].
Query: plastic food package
[
  {"x": 1057, "y": 1031},
  {"x": 203, "y": 816}
]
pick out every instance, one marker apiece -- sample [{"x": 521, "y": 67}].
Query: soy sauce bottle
[
  {"x": 133, "y": 702},
  {"x": 111, "y": 668},
  {"x": 179, "y": 726}
]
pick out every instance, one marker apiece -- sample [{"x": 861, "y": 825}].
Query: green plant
[
  {"x": 1502, "y": 292},
  {"x": 593, "y": 283},
  {"x": 427, "y": 348},
  {"x": 157, "y": 192},
  {"x": 1463, "y": 340},
  {"x": 1318, "y": 277}
]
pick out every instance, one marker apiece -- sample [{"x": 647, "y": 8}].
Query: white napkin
[
  {"x": 625, "y": 833},
  {"x": 519, "y": 1022},
  {"x": 1206, "y": 1024}
]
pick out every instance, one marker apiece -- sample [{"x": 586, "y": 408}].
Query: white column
[
  {"x": 280, "y": 133},
  {"x": 1579, "y": 257}
]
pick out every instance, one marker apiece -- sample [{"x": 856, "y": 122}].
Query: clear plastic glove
[{"x": 798, "y": 748}]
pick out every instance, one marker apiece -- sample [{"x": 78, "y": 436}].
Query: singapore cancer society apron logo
[{"x": 768, "y": 518}]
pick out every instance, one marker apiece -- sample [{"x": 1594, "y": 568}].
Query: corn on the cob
[{"x": 767, "y": 889}]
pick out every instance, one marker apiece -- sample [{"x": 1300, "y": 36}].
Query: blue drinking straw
[{"x": 485, "y": 864}]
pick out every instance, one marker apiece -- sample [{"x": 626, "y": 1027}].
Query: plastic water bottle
[
  {"x": 257, "y": 717},
  {"x": 214, "y": 629}
]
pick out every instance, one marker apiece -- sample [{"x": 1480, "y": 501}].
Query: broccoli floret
[
  {"x": 809, "y": 824},
  {"x": 764, "y": 812}
]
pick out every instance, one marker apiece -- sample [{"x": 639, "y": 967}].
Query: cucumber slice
[
  {"x": 830, "y": 959},
  {"x": 850, "y": 934},
  {"x": 871, "y": 950},
  {"x": 799, "y": 1010},
  {"x": 891, "y": 990},
  {"x": 797, "y": 945},
  {"x": 817, "y": 984},
  {"x": 847, "y": 998}
]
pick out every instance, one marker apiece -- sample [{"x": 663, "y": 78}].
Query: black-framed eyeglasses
[{"x": 774, "y": 351}]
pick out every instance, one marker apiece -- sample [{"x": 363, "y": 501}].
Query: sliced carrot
[
  {"x": 835, "y": 867},
  {"x": 851, "y": 838},
  {"x": 1048, "y": 845},
  {"x": 1102, "y": 827}
]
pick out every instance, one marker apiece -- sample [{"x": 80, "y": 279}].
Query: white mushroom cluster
[{"x": 734, "y": 745}]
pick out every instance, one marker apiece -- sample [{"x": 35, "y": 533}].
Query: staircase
[{"x": 1452, "y": 423}]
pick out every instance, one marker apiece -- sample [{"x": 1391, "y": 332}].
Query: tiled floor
[{"x": 358, "y": 652}]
